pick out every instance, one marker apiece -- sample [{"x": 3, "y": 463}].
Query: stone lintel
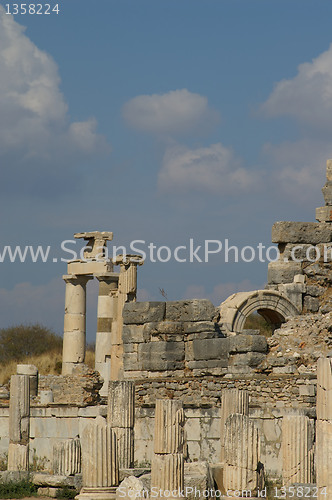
[
  {"x": 301, "y": 232},
  {"x": 81, "y": 267}
]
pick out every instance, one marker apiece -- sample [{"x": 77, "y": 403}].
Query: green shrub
[
  {"x": 66, "y": 492},
  {"x": 20, "y": 489}
]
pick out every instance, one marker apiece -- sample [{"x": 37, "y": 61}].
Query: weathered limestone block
[
  {"x": 324, "y": 424},
  {"x": 131, "y": 487},
  {"x": 210, "y": 348},
  {"x": 99, "y": 455},
  {"x": 19, "y": 409},
  {"x": 160, "y": 356},
  {"x": 67, "y": 457},
  {"x": 297, "y": 442},
  {"x": 18, "y": 457},
  {"x": 169, "y": 426},
  {"x": 143, "y": 312},
  {"x": 167, "y": 473},
  {"x": 121, "y": 403},
  {"x": 301, "y": 232},
  {"x": 327, "y": 193},
  {"x": 283, "y": 272},
  {"x": 311, "y": 304},
  {"x": 324, "y": 214},
  {"x": 232, "y": 401},
  {"x": 247, "y": 343},
  {"x": 32, "y": 372},
  {"x": 241, "y": 454},
  {"x": 190, "y": 310},
  {"x": 120, "y": 416}
]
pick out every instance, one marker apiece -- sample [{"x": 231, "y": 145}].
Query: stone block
[
  {"x": 207, "y": 363},
  {"x": 133, "y": 334},
  {"x": 210, "y": 348},
  {"x": 283, "y": 272},
  {"x": 301, "y": 232},
  {"x": 190, "y": 310},
  {"x": 143, "y": 312},
  {"x": 163, "y": 327},
  {"x": 247, "y": 343},
  {"x": 200, "y": 327},
  {"x": 311, "y": 304},
  {"x": 327, "y": 193},
  {"x": 324, "y": 214},
  {"x": 159, "y": 356},
  {"x": 251, "y": 359}
]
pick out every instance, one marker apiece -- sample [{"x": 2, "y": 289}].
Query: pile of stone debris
[{"x": 296, "y": 346}]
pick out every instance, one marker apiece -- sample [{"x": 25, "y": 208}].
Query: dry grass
[{"x": 48, "y": 364}]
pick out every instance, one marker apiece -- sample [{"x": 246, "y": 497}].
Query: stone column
[
  {"x": 232, "y": 401},
  {"x": 297, "y": 457},
  {"x": 19, "y": 423},
  {"x": 120, "y": 417},
  {"x": 127, "y": 293},
  {"x": 106, "y": 325},
  {"x": 32, "y": 372},
  {"x": 324, "y": 425},
  {"x": 167, "y": 468},
  {"x": 241, "y": 454},
  {"x": 67, "y": 457},
  {"x": 75, "y": 322},
  {"x": 100, "y": 472}
]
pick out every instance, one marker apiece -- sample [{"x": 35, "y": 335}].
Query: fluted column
[
  {"x": 232, "y": 401},
  {"x": 241, "y": 454},
  {"x": 100, "y": 472},
  {"x": 167, "y": 468},
  {"x": 297, "y": 454},
  {"x": 19, "y": 423},
  {"x": 126, "y": 293},
  {"x": 67, "y": 457},
  {"x": 106, "y": 325},
  {"x": 120, "y": 417},
  {"x": 324, "y": 425},
  {"x": 74, "y": 338}
]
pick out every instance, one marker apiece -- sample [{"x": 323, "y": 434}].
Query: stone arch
[{"x": 272, "y": 305}]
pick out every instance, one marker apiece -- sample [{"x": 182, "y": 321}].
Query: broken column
[
  {"x": 75, "y": 322},
  {"x": 167, "y": 468},
  {"x": 241, "y": 454},
  {"x": 324, "y": 425},
  {"x": 324, "y": 214},
  {"x": 106, "y": 325},
  {"x": 126, "y": 293},
  {"x": 297, "y": 454},
  {"x": 67, "y": 457},
  {"x": 32, "y": 372},
  {"x": 19, "y": 423},
  {"x": 100, "y": 472},
  {"x": 232, "y": 401},
  {"x": 120, "y": 417}
]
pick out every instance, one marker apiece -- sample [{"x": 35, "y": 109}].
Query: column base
[
  {"x": 68, "y": 367},
  {"x": 95, "y": 493}
]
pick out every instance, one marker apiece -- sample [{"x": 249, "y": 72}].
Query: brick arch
[{"x": 272, "y": 305}]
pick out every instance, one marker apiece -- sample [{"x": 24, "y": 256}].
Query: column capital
[
  {"x": 77, "y": 278},
  {"x": 97, "y": 243},
  {"x": 128, "y": 260}
]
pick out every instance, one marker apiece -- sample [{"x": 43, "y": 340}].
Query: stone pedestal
[
  {"x": 74, "y": 322},
  {"x": 19, "y": 423},
  {"x": 232, "y": 401},
  {"x": 297, "y": 454},
  {"x": 241, "y": 454},
  {"x": 106, "y": 325},
  {"x": 120, "y": 417},
  {"x": 100, "y": 472},
  {"x": 324, "y": 425},
  {"x": 32, "y": 372},
  {"x": 67, "y": 457},
  {"x": 167, "y": 468}
]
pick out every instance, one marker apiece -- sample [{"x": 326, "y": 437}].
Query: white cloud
[
  {"x": 36, "y": 136},
  {"x": 308, "y": 96},
  {"x": 213, "y": 169},
  {"x": 177, "y": 111}
]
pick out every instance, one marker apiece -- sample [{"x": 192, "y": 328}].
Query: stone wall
[{"x": 181, "y": 340}]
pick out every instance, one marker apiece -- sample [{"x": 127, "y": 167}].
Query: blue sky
[{"x": 160, "y": 121}]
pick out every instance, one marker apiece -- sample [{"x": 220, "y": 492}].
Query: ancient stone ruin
[{"x": 184, "y": 398}]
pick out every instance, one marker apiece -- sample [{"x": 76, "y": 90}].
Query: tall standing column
[
  {"x": 120, "y": 416},
  {"x": 232, "y": 401},
  {"x": 106, "y": 325},
  {"x": 74, "y": 338},
  {"x": 167, "y": 468},
  {"x": 241, "y": 454},
  {"x": 100, "y": 472},
  {"x": 126, "y": 293},
  {"x": 324, "y": 425},
  {"x": 297, "y": 454},
  {"x": 19, "y": 423}
]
